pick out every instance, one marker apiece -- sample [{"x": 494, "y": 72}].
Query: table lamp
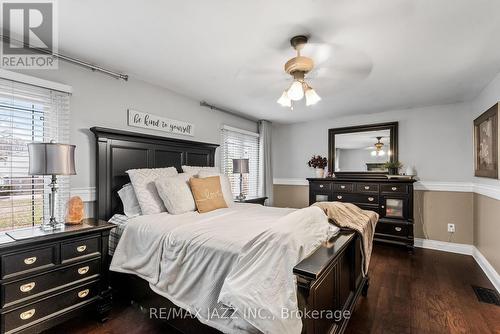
[
  {"x": 51, "y": 159},
  {"x": 240, "y": 166}
]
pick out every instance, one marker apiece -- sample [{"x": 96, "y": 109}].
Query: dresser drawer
[
  {"x": 394, "y": 229},
  {"x": 343, "y": 187},
  {"x": 80, "y": 248},
  {"x": 41, "y": 284},
  {"x": 356, "y": 198},
  {"x": 318, "y": 186},
  {"x": 30, "y": 314},
  {"x": 26, "y": 261},
  {"x": 367, "y": 187},
  {"x": 394, "y": 188}
]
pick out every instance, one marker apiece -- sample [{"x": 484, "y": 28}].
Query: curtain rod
[
  {"x": 69, "y": 59},
  {"x": 234, "y": 113}
]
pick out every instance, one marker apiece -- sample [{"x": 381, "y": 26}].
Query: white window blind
[
  {"x": 29, "y": 114},
  {"x": 239, "y": 144}
]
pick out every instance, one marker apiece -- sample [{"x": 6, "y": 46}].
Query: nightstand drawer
[
  {"x": 29, "y": 314},
  {"x": 45, "y": 283},
  {"x": 367, "y": 188},
  {"x": 26, "y": 261},
  {"x": 79, "y": 248}
]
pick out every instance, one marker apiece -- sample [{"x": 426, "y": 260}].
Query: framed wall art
[{"x": 486, "y": 144}]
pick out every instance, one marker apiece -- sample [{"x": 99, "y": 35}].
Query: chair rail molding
[{"x": 86, "y": 194}]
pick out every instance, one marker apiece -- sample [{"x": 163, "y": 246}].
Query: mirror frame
[{"x": 391, "y": 126}]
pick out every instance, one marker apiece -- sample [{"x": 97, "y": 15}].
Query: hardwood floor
[{"x": 429, "y": 292}]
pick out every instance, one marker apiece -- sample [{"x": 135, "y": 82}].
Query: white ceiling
[{"x": 379, "y": 55}]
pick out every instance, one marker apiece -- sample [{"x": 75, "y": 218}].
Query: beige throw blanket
[{"x": 348, "y": 215}]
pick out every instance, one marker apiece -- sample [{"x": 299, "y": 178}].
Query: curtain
[{"x": 265, "y": 161}]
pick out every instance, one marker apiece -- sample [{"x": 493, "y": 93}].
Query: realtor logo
[{"x": 28, "y": 35}]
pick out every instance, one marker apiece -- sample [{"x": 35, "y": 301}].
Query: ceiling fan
[{"x": 298, "y": 67}]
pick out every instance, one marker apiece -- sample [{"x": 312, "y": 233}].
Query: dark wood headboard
[{"x": 118, "y": 151}]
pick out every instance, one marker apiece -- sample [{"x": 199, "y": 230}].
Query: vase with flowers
[{"x": 319, "y": 164}]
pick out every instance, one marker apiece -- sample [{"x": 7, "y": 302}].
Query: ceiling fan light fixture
[
  {"x": 296, "y": 91},
  {"x": 284, "y": 100},
  {"x": 311, "y": 97}
]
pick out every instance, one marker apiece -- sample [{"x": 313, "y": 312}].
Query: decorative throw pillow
[
  {"x": 131, "y": 207},
  {"x": 207, "y": 193},
  {"x": 143, "y": 181},
  {"x": 224, "y": 183},
  {"x": 194, "y": 170},
  {"x": 176, "y": 193}
]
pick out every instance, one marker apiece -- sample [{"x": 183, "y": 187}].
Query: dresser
[
  {"x": 49, "y": 277},
  {"x": 392, "y": 199}
]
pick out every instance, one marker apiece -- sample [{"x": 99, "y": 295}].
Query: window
[
  {"x": 29, "y": 114},
  {"x": 239, "y": 144}
]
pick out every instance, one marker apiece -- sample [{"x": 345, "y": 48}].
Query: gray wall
[
  {"x": 436, "y": 140},
  {"x": 99, "y": 100}
]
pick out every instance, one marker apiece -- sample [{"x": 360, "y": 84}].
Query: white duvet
[{"x": 231, "y": 268}]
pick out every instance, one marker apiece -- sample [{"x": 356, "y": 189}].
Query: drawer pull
[
  {"x": 394, "y": 188},
  {"x": 321, "y": 186},
  {"x": 370, "y": 199},
  {"x": 83, "y": 270},
  {"x": 28, "y": 314},
  {"x": 27, "y": 287},
  {"x": 81, "y": 248},
  {"x": 30, "y": 260},
  {"x": 342, "y": 187},
  {"x": 339, "y": 197},
  {"x": 398, "y": 229},
  {"x": 83, "y": 293},
  {"x": 367, "y": 187}
]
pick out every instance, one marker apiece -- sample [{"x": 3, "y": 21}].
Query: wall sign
[{"x": 154, "y": 122}]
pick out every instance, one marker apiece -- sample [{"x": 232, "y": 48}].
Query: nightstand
[
  {"x": 254, "y": 200},
  {"x": 47, "y": 277}
]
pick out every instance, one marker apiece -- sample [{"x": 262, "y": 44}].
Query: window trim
[
  {"x": 34, "y": 81},
  {"x": 245, "y": 132}
]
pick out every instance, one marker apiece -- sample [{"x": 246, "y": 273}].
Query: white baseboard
[
  {"x": 444, "y": 246},
  {"x": 488, "y": 269},
  {"x": 466, "y": 249}
]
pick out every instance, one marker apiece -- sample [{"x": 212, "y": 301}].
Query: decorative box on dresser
[
  {"x": 48, "y": 277},
  {"x": 392, "y": 199}
]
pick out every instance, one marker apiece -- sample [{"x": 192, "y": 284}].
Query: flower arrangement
[{"x": 317, "y": 161}]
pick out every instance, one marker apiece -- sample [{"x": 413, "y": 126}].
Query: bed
[{"x": 330, "y": 278}]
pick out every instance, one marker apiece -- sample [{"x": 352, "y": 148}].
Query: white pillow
[
  {"x": 143, "y": 181},
  {"x": 225, "y": 184},
  {"x": 131, "y": 207},
  {"x": 176, "y": 193},
  {"x": 193, "y": 170}
]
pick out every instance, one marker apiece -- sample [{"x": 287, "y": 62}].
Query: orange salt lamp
[{"x": 75, "y": 211}]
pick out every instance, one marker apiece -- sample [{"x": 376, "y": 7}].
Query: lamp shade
[
  {"x": 51, "y": 159},
  {"x": 240, "y": 166}
]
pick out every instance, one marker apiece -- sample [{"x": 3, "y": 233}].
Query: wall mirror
[{"x": 362, "y": 150}]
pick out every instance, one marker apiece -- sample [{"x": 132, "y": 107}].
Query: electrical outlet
[{"x": 451, "y": 228}]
